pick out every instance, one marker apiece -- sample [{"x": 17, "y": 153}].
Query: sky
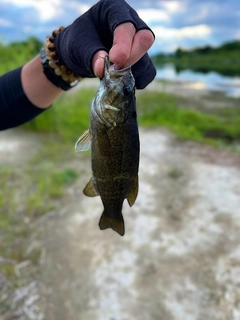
[{"x": 176, "y": 23}]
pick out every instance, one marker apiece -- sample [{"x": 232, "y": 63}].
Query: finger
[
  {"x": 142, "y": 42},
  {"x": 98, "y": 63},
  {"x": 122, "y": 44}
]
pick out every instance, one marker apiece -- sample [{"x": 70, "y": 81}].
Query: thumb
[{"x": 98, "y": 63}]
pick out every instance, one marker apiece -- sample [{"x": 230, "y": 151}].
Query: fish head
[{"x": 116, "y": 91}]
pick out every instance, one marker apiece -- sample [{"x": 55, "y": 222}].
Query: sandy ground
[{"x": 179, "y": 258}]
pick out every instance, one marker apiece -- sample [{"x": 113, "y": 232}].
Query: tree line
[{"x": 224, "y": 59}]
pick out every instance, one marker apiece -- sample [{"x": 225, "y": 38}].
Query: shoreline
[{"x": 176, "y": 87}]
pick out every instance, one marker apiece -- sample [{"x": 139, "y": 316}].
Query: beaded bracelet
[{"x": 56, "y": 72}]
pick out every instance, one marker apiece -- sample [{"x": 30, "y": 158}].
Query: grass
[
  {"x": 219, "y": 128},
  {"x": 31, "y": 192},
  {"x": 69, "y": 117},
  {"x": 26, "y": 194}
]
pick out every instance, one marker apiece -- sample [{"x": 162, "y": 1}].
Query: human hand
[
  {"x": 109, "y": 27},
  {"x": 128, "y": 48}
]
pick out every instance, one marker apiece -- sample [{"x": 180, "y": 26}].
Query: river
[{"x": 211, "y": 80}]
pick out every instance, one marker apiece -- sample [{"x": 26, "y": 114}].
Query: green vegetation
[
  {"x": 31, "y": 191},
  {"x": 224, "y": 59},
  {"x": 68, "y": 118},
  {"x": 26, "y": 194},
  {"x": 219, "y": 128},
  {"x": 16, "y": 54}
]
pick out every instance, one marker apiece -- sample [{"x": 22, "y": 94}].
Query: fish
[{"x": 113, "y": 139}]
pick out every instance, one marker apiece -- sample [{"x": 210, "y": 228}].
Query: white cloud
[
  {"x": 237, "y": 35},
  {"x": 5, "y": 23},
  {"x": 152, "y": 15},
  {"x": 46, "y": 8},
  {"x": 172, "y": 6},
  {"x": 27, "y": 29},
  {"x": 169, "y": 39},
  {"x": 181, "y": 33},
  {"x": 201, "y": 14},
  {"x": 78, "y": 7}
]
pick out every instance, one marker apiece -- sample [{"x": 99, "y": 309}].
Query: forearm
[
  {"x": 25, "y": 93},
  {"x": 38, "y": 89}
]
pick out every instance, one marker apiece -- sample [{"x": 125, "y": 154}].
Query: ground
[{"x": 179, "y": 258}]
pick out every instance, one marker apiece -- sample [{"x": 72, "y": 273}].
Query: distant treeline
[
  {"x": 224, "y": 59},
  {"x": 16, "y": 54}
]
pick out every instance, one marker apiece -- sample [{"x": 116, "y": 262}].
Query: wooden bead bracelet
[{"x": 56, "y": 72}]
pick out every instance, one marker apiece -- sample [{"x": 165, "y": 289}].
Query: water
[{"x": 211, "y": 80}]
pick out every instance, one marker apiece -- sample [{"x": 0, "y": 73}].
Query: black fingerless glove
[{"x": 93, "y": 31}]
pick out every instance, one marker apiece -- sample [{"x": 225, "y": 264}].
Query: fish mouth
[{"x": 109, "y": 68}]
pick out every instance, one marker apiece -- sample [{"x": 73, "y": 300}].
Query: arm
[
  {"x": 108, "y": 28},
  {"x": 38, "y": 89},
  {"x": 25, "y": 93}
]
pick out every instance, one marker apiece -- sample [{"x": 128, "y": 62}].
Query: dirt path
[{"x": 180, "y": 257}]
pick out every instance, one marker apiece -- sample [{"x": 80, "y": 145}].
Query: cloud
[
  {"x": 172, "y": 6},
  {"x": 48, "y": 9},
  {"x": 185, "y": 23},
  {"x": 153, "y": 15},
  {"x": 45, "y": 8},
  {"x": 180, "y": 33},
  {"x": 5, "y": 23},
  {"x": 237, "y": 35},
  {"x": 169, "y": 39},
  {"x": 78, "y": 7}
]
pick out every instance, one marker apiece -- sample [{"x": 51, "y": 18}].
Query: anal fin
[{"x": 90, "y": 190}]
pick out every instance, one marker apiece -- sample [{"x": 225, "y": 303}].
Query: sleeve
[{"x": 15, "y": 108}]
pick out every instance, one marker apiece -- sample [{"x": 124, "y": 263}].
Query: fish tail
[{"x": 116, "y": 224}]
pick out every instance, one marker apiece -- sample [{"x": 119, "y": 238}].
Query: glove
[{"x": 93, "y": 31}]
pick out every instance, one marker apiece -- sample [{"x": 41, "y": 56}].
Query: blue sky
[{"x": 176, "y": 23}]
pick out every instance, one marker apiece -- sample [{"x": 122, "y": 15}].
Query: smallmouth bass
[{"x": 114, "y": 141}]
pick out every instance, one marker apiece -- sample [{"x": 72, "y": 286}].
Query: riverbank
[{"x": 179, "y": 258}]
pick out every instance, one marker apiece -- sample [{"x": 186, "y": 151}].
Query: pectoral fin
[
  {"x": 133, "y": 193},
  {"x": 84, "y": 142},
  {"x": 90, "y": 190}
]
